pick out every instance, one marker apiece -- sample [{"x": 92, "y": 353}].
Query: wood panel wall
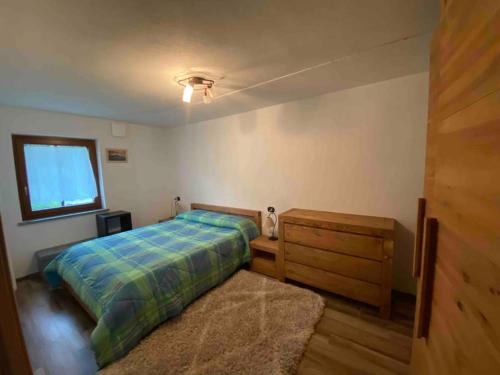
[{"x": 462, "y": 190}]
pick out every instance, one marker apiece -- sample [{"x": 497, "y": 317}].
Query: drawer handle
[
  {"x": 417, "y": 250},
  {"x": 424, "y": 299}
]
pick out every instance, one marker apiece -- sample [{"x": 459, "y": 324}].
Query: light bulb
[
  {"x": 210, "y": 92},
  {"x": 207, "y": 99},
  {"x": 188, "y": 93}
]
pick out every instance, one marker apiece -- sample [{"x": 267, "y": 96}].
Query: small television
[{"x": 113, "y": 222}]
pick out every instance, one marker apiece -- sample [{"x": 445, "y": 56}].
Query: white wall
[
  {"x": 139, "y": 186},
  {"x": 359, "y": 151}
]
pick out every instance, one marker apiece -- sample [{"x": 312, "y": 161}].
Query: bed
[{"x": 133, "y": 281}]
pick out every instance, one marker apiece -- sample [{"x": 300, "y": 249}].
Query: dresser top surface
[{"x": 383, "y": 224}]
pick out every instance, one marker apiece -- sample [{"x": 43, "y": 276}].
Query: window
[{"x": 56, "y": 176}]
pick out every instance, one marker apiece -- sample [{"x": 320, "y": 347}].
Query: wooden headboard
[{"x": 253, "y": 215}]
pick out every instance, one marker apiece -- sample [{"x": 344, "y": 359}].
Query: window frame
[{"x": 18, "y": 142}]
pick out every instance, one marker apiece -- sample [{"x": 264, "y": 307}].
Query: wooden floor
[
  {"x": 56, "y": 329},
  {"x": 349, "y": 339}
]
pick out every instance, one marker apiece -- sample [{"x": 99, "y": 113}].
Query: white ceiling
[{"x": 117, "y": 59}]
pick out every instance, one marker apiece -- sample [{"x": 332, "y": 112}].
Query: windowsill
[{"x": 34, "y": 221}]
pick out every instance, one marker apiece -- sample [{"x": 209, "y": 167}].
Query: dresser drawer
[
  {"x": 346, "y": 265},
  {"x": 352, "y": 288},
  {"x": 341, "y": 242}
]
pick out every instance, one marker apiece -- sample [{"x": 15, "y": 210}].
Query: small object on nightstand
[
  {"x": 264, "y": 253},
  {"x": 173, "y": 210},
  {"x": 271, "y": 216},
  {"x": 174, "y": 207},
  {"x": 113, "y": 222}
]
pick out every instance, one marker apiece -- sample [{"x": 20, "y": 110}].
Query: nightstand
[{"x": 265, "y": 253}]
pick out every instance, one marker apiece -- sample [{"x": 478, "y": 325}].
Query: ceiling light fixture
[{"x": 193, "y": 83}]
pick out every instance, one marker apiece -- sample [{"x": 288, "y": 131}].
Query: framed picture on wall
[{"x": 116, "y": 155}]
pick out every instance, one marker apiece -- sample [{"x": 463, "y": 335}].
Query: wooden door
[
  {"x": 13, "y": 356},
  {"x": 458, "y": 300}
]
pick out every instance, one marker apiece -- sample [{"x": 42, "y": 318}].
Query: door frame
[{"x": 14, "y": 358}]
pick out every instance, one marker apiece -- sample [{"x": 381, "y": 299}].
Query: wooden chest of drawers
[{"x": 346, "y": 254}]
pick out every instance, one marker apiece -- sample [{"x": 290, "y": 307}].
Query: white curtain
[{"x": 59, "y": 176}]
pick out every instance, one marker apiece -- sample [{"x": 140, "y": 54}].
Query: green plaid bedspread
[{"x": 135, "y": 280}]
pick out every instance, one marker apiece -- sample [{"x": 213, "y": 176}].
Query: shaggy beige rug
[{"x": 249, "y": 325}]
